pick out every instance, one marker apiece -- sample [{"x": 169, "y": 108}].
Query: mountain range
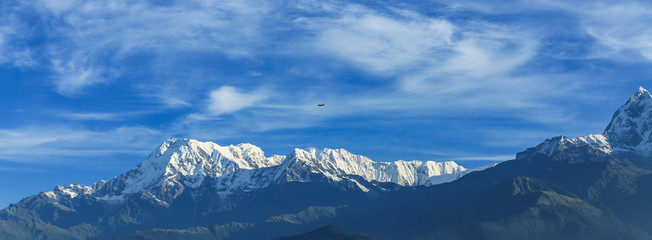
[{"x": 597, "y": 186}]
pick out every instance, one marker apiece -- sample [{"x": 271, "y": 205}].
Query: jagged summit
[
  {"x": 631, "y": 125},
  {"x": 339, "y": 162},
  {"x": 560, "y": 147},
  {"x": 640, "y": 95},
  {"x": 180, "y": 164}
]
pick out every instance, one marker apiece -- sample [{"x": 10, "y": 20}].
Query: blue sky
[{"x": 89, "y": 88}]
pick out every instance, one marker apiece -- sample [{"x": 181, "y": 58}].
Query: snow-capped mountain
[
  {"x": 562, "y": 147},
  {"x": 184, "y": 163},
  {"x": 339, "y": 163},
  {"x": 629, "y": 132},
  {"x": 630, "y": 128},
  {"x": 180, "y": 164}
]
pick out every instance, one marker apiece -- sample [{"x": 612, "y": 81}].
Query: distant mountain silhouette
[{"x": 329, "y": 232}]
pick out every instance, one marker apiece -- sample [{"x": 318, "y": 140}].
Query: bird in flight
[{"x": 320, "y": 105}]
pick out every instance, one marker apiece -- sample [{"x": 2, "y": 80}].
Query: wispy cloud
[
  {"x": 619, "y": 27},
  {"x": 380, "y": 43},
  {"x": 12, "y": 47},
  {"x": 22, "y": 169},
  {"x": 91, "y": 42},
  {"x": 402, "y": 41},
  {"x": 63, "y": 143},
  {"x": 72, "y": 78},
  {"x": 92, "y": 116}
]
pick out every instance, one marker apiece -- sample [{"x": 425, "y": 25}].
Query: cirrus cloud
[
  {"x": 61, "y": 143},
  {"x": 380, "y": 43}
]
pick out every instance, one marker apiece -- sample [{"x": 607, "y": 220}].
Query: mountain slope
[{"x": 528, "y": 208}]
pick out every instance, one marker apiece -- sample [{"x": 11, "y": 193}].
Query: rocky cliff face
[{"x": 631, "y": 126}]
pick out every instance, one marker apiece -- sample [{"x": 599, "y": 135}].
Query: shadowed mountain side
[
  {"x": 194, "y": 233},
  {"x": 235, "y": 230},
  {"x": 285, "y": 224},
  {"x": 594, "y": 196},
  {"x": 523, "y": 208},
  {"x": 328, "y": 232}
]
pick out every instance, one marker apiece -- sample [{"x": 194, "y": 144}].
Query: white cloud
[
  {"x": 174, "y": 102},
  {"x": 91, "y": 42},
  {"x": 487, "y": 49},
  {"x": 75, "y": 75},
  {"x": 380, "y": 43},
  {"x": 228, "y": 99},
  {"x": 402, "y": 42},
  {"x": 92, "y": 116}
]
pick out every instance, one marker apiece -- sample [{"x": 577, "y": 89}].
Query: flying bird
[{"x": 320, "y": 105}]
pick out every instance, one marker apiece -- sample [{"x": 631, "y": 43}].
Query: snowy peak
[
  {"x": 185, "y": 155},
  {"x": 332, "y": 163},
  {"x": 336, "y": 164},
  {"x": 640, "y": 95},
  {"x": 179, "y": 165},
  {"x": 70, "y": 191},
  {"x": 631, "y": 126},
  {"x": 630, "y": 131},
  {"x": 561, "y": 147},
  {"x": 337, "y": 161},
  {"x": 192, "y": 157}
]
